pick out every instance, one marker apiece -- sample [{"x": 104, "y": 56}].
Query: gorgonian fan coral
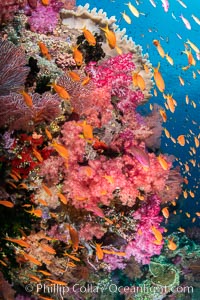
[
  {"x": 13, "y": 71},
  {"x": 17, "y": 115}
]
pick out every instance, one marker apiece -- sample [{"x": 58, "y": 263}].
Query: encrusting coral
[{"x": 79, "y": 161}]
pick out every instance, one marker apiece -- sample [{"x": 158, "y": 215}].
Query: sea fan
[
  {"x": 17, "y": 115},
  {"x": 13, "y": 71}
]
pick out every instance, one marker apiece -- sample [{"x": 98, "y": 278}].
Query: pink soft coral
[{"x": 143, "y": 246}]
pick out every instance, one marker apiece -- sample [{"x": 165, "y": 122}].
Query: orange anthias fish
[
  {"x": 62, "y": 198},
  {"x": 89, "y": 37},
  {"x": 157, "y": 233},
  {"x": 62, "y": 151},
  {"x": 138, "y": 81},
  {"x": 170, "y": 102},
  {"x": 163, "y": 162},
  {"x": 32, "y": 259},
  {"x": 20, "y": 242},
  {"x": 158, "y": 79},
  {"x": 46, "y": 189},
  {"x": 45, "y": 2},
  {"x": 181, "y": 140},
  {"x": 86, "y": 80},
  {"x": 87, "y": 131},
  {"x": 99, "y": 251},
  {"x": 165, "y": 212},
  {"x": 6, "y": 203},
  {"x": 171, "y": 245},
  {"x": 110, "y": 36},
  {"x": 74, "y": 76},
  {"x": 35, "y": 212},
  {"x": 72, "y": 256},
  {"x": 44, "y": 50},
  {"x": 163, "y": 115},
  {"x": 74, "y": 237},
  {"x": 159, "y": 48},
  {"x": 27, "y": 98},
  {"x": 48, "y": 249},
  {"x": 77, "y": 55},
  {"x": 61, "y": 91},
  {"x": 37, "y": 155}
]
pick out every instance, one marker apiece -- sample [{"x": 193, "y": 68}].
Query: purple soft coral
[
  {"x": 143, "y": 247},
  {"x": 44, "y": 19}
]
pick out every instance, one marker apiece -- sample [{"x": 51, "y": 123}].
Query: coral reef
[{"x": 79, "y": 162}]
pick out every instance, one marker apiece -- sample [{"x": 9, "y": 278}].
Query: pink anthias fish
[
  {"x": 186, "y": 22},
  {"x": 140, "y": 155},
  {"x": 165, "y": 5},
  {"x": 152, "y": 3}
]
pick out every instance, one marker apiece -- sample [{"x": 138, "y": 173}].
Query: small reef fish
[
  {"x": 72, "y": 257},
  {"x": 138, "y": 81},
  {"x": 157, "y": 233},
  {"x": 20, "y": 242},
  {"x": 163, "y": 163},
  {"x": 133, "y": 9},
  {"x": 35, "y": 212},
  {"x": 47, "y": 190},
  {"x": 6, "y": 203},
  {"x": 181, "y": 140},
  {"x": 170, "y": 102},
  {"x": 99, "y": 251},
  {"x": 61, "y": 91},
  {"x": 48, "y": 249},
  {"x": 35, "y": 278},
  {"x": 191, "y": 60},
  {"x": 37, "y": 155},
  {"x": 62, "y": 151},
  {"x": 193, "y": 46},
  {"x": 140, "y": 155},
  {"x": 74, "y": 76},
  {"x": 165, "y": 5},
  {"x": 182, "y": 3},
  {"x": 45, "y": 2},
  {"x": 44, "y": 50},
  {"x": 74, "y": 237},
  {"x": 152, "y": 3},
  {"x": 197, "y": 20},
  {"x": 158, "y": 79},
  {"x": 181, "y": 80},
  {"x": 169, "y": 59},
  {"x": 171, "y": 245},
  {"x": 32, "y": 259},
  {"x": 159, "y": 48},
  {"x": 48, "y": 134},
  {"x": 44, "y": 273},
  {"x": 77, "y": 55},
  {"x": 163, "y": 115},
  {"x": 126, "y": 18},
  {"x": 186, "y": 22},
  {"x": 89, "y": 37},
  {"x": 110, "y": 36},
  {"x": 27, "y": 98},
  {"x": 62, "y": 198},
  {"x": 86, "y": 80},
  {"x": 181, "y": 229},
  {"x": 165, "y": 212},
  {"x": 56, "y": 281}
]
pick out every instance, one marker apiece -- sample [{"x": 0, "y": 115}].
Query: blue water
[{"x": 155, "y": 23}]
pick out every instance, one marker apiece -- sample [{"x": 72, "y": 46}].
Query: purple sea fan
[
  {"x": 17, "y": 115},
  {"x": 13, "y": 72},
  {"x": 45, "y": 18}
]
